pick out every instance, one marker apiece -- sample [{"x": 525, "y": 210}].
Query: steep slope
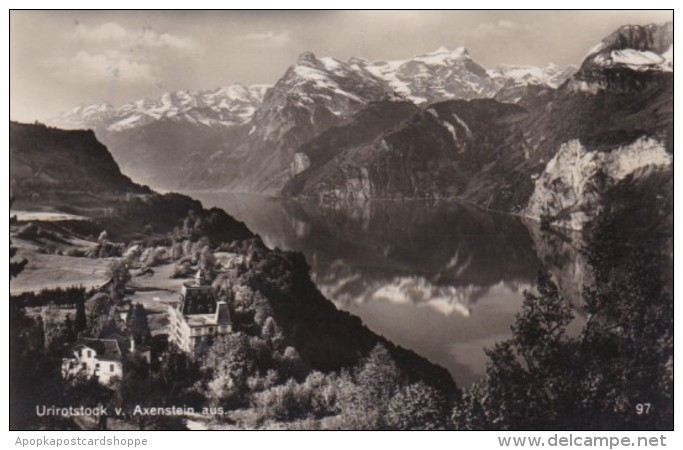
[
  {"x": 365, "y": 126},
  {"x": 165, "y": 153},
  {"x": 69, "y": 171},
  {"x": 43, "y": 159},
  {"x": 433, "y": 154},
  {"x": 603, "y": 109},
  {"x": 499, "y": 157},
  {"x": 612, "y": 120},
  {"x": 313, "y": 95}
]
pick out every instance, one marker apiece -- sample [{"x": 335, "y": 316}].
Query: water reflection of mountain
[
  {"x": 442, "y": 279},
  {"x": 398, "y": 251},
  {"x": 560, "y": 252}
]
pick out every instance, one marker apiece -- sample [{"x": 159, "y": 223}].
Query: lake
[{"x": 440, "y": 278}]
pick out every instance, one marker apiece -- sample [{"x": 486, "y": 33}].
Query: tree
[
  {"x": 58, "y": 333},
  {"x": 623, "y": 357},
  {"x": 137, "y": 324},
  {"x": 119, "y": 275},
  {"x": 469, "y": 412},
  {"x": 627, "y": 342},
  {"x": 97, "y": 311},
  {"x": 80, "y": 323},
  {"x": 176, "y": 251},
  {"x": 35, "y": 377},
  {"x": 375, "y": 381},
  {"x": 137, "y": 387},
  {"x": 290, "y": 363},
  {"x": 176, "y": 376},
  {"x": 230, "y": 362},
  {"x": 531, "y": 378},
  {"x": 15, "y": 267},
  {"x": 418, "y": 407},
  {"x": 187, "y": 248},
  {"x": 69, "y": 333},
  {"x": 272, "y": 333},
  {"x": 207, "y": 262}
]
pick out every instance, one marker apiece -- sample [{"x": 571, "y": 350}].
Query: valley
[{"x": 418, "y": 243}]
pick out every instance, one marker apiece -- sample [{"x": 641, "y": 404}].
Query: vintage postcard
[{"x": 341, "y": 220}]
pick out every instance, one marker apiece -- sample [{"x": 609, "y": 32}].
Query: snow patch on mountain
[
  {"x": 550, "y": 75},
  {"x": 436, "y": 76},
  {"x": 638, "y": 48},
  {"x": 449, "y": 127},
  {"x": 224, "y": 106},
  {"x": 636, "y": 59}
]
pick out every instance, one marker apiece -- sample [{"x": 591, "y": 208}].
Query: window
[
  {"x": 111, "y": 367},
  {"x": 89, "y": 353},
  {"x": 84, "y": 366},
  {"x": 97, "y": 365}
]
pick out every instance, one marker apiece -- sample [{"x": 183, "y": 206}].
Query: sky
[{"x": 62, "y": 59}]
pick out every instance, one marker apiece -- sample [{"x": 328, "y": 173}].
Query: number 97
[{"x": 643, "y": 408}]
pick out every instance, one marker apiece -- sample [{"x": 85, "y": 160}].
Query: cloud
[
  {"x": 108, "y": 67},
  {"x": 111, "y": 53},
  {"x": 501, "y": 28},
  {"x": 111, "y": 33},
  {"x": 267, "y": 39},
  {"x": 507, "y": 24}
]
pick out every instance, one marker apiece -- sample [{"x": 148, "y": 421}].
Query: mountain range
[
  {"x": 249, "y": 135},
  {"x": 438, "y": 125}
]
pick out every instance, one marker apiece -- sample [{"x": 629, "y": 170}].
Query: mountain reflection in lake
[{"x": 442, "y": 279}]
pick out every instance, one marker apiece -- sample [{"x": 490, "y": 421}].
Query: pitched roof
[{"x": 105, "y": 348}]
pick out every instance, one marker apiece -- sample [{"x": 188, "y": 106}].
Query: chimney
[{"x": 132, "y": 345}]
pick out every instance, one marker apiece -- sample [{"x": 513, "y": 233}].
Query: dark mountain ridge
[
  {"x": 493, "y": 154},
  {"x": 44, "y": 158},
  {"x": 247, "y": 139}
]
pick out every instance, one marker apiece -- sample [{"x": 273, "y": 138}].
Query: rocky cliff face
[
  {"x": 432, "y": 154},
  {"x": 569, "y": 192},
  {"x": 501, "y": 156}
]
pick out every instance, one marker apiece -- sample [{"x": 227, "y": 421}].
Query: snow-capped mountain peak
[
  {"x": 634, "y": 47},
  {"x": 550, "y": 75},
  {"x": 439, "y": 75},
  {"x": 644, "y": 52},
  {"x": 224, "y": 106},
  {"x": 443, "y": 55}
]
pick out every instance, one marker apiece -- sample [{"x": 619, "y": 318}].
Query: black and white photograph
[{"x": 342, "y": 220}]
